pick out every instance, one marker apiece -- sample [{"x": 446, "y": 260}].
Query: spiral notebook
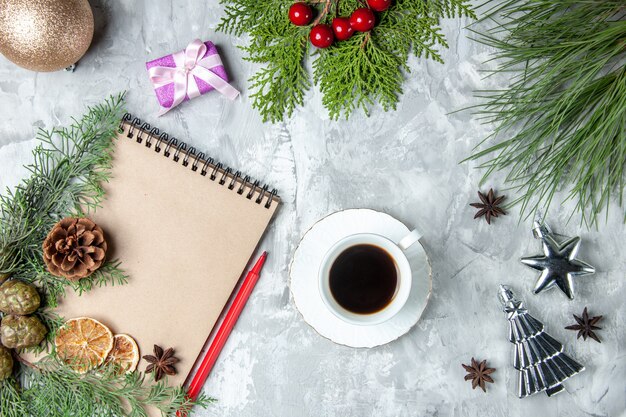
[{"x": 184, "y": 227}]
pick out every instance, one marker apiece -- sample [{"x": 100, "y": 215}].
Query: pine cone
[
  {"x": 18, "y": 297},
  {"x": 4, "y": 277},
  {"x": 6, "y": 363},
  {"x": 75, "y": 248},
  {"x": 17, "y": 332}
]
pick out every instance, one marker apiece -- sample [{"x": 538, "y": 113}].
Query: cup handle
[{"x": 408, "y": 241}]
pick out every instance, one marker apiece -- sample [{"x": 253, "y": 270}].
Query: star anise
[
  {"x": 586, "y": 326},
  {"x": 478, "y": 373},
  {"x": 489, "y": 206},
  {"x": 161, "y": 363}
]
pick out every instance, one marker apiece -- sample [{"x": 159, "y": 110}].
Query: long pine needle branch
[{"x": 561, "y": 123}]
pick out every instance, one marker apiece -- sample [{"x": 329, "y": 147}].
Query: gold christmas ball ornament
[{"x": 45, "y": 35}]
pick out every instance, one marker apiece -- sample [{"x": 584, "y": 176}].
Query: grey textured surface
[{"x": 404, "y": 163}]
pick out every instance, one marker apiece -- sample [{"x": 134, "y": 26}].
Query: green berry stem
[{"x": 366, "y": 39}]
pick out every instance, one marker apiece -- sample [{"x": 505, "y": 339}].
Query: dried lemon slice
[
  {"x": 83, "y": 343},
  {"x": 125, "y": 353}
]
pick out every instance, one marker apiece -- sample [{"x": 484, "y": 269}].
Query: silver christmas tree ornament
[
  {"x": 558, "y": 265},
  {"x": 538, "y": 357}
]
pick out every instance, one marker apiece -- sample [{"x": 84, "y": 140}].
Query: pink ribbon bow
[{"x": 190, "y": 64}]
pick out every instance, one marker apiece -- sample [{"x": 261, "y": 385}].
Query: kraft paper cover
[{"x": 184, "y": 241}]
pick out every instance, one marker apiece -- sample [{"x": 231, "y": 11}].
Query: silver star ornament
[{"x": 558, "y": 265}]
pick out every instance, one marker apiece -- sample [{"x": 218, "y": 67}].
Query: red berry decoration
[
  {"x": 300, "y": 14},
  {"x": 362, "y": 19},
  {"x": 379, "y": 5},
  {"x": 322, "y": 36},
  {"x": 342, "y": 28}
]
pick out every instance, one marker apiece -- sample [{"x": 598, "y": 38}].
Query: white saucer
[{"x": 304, "y": 278}]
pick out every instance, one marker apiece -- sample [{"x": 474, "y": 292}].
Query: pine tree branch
[
  {"x": 69, "y": 166},
  {"x": 279, "y": 87},
  {"x": 562, "y": 120},
  {"x": 65, "y": 179},
  {"x": 371, "y": 76},
  {"x": 52, "y": 389},
  {"x": 12, "y": 404},
  {"x": 345, "y": 72}
]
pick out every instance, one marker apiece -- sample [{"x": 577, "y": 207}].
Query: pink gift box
[{"x": 165, "y": 93}]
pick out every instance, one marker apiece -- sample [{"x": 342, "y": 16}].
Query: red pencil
[{"x": 224, "y": 330}]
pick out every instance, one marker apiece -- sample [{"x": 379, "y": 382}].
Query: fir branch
[
  {"x": 66, "y": 176},
  {"x": 279, "y": 87},
  {"x": 358, "y": 73},
  {"x": 12, "y": 404},
  {"x": 109, "y": 273},
  {"x": 53, "y": 322},
  {"x": 449, "y": 8},
  {"x": 426, "y": 36},
  {"x": 65, "y": 179},
  {"x": 562, "y": 121},
  {"x": 54, "y": 390}
]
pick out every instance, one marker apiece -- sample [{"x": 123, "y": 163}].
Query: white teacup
[{"x": 404, "y": 276}]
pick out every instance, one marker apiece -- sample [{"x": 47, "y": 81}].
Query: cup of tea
[{"x": 365, "y": 278}]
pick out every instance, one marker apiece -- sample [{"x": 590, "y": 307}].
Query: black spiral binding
[{"x": 207, "y": 166}]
